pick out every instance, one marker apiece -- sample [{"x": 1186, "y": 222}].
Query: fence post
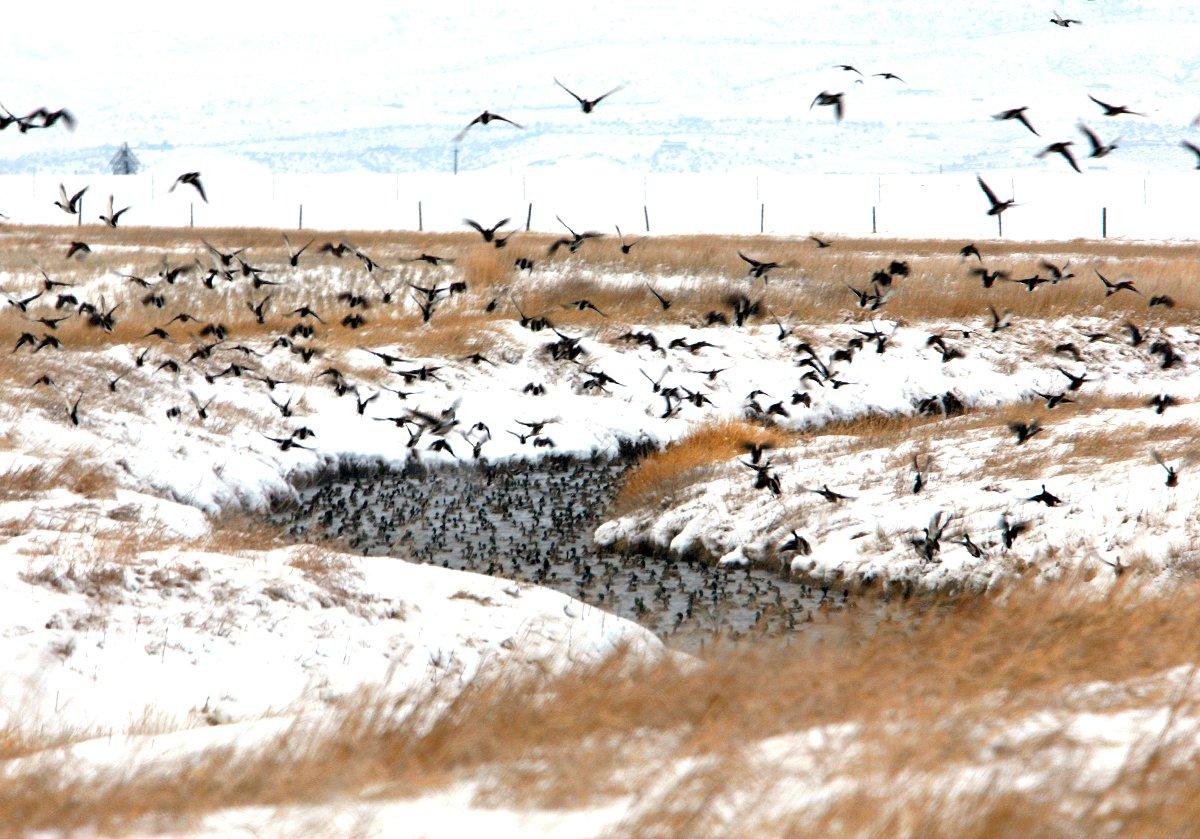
[
  {"x": 1000, "y": 224},
  {"x": 420, "y": 218},
  {"x": 874, "y": 227},
  {"x": 762, "y": 217},
  {"x": 646, "y": 216},
  {"x": 1104, "y": 222},
  {"x": 191, "y": 214},
  {"x": 300, "y": 223},
  {"x": 528, "y": 216},
  {"x": 79, "y": 218},
  {"x": 456, "y": 160}
]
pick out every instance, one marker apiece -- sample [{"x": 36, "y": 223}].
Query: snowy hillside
[
  {"x": 129, "y": 457},
  {"x": 709, "y": 87}
]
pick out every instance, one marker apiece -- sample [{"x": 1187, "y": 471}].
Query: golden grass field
[
  {"x": 913, "y": 697},
  {"x": 698, "y": 273},
  {"x": 701, "y": 272}
]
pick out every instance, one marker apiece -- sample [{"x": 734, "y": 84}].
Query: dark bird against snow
[
  {"x": 1063, "y": 148},
  {"x": 1099, "y": 149},
  {"x": 1114, "y": 110},
  {"x": 833, "y": 100},
  {"x": 588, "y": 105},
  {"x": 1019, "y": 115},
  {"x": 192, "y": 179},
  {"x": 484, "y": 119},
  {"x": 998, "y": 206}
]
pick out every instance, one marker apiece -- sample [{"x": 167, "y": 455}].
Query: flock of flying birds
[
  {"x": 837, "y": 101},
  {"x": 1098, "y": 147},
  {"x": 214, "y": 351},
  {"x": 215, "y": 355}
]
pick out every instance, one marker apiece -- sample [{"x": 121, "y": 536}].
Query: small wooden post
[
  {"x": 762, "y": 217},
  {"x": 1104, "y": 222},
  {"x": 191, "y": 214},
  {"x": 300, "y": 223},
  {"x": 456, "y": 160},
  {"x": 874, "y": 226},
  {"x": 420, "y": 218},
  {"x": 646, "y": 216},
  {"x": 79, "y": 218},
  {"x": 528, "y": 216},
  {"x": 1000, "y": 224}
]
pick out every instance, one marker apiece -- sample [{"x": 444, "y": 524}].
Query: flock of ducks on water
[{"x": 533, "y": 523}]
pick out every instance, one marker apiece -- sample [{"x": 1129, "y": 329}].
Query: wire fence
[{"x": 1049, "y": 206}]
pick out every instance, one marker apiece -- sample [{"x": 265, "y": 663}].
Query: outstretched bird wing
[
  {"x": 458, "y": 137},
  {"x": 604, "y": 96},
  {"x": 573, "y": 93},
  {"x": 987, "y": 190},
  {"x": 1066, "y": 152},
  {"x": 569, "y": 230},
  {"x": 1024, "y": 120}
]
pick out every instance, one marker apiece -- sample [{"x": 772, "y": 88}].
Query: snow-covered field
[
  {"x": 121, "y": 571},
  {"x": 168, "y": 658},
  {"x": 710, "y": 87}
]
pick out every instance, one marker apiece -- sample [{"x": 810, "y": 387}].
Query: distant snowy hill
[{"x": 711, "y": 87}]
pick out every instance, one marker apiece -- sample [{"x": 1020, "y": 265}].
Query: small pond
[{"x": 533, "y": 522}]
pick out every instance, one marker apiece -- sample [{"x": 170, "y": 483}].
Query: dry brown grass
[
  {"x": 463, "y": 335},
  {"x": 660, "y": 474},
  {"x": 487, "y": 267},
  {"x": 876, "y": 431},
  {"x": 318, "y": 564},
  {"x": 101, "y": 581},
  {"x": 76, "y": 474},
  {"x": 699, "y": 273},
  {"x": 930, "y": 690},
  {"x": 239, "y": 533},
  {"x": 1132, "y": 442}
]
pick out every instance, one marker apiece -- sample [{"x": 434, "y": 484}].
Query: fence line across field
[{"x": 1049, "y": 206}]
